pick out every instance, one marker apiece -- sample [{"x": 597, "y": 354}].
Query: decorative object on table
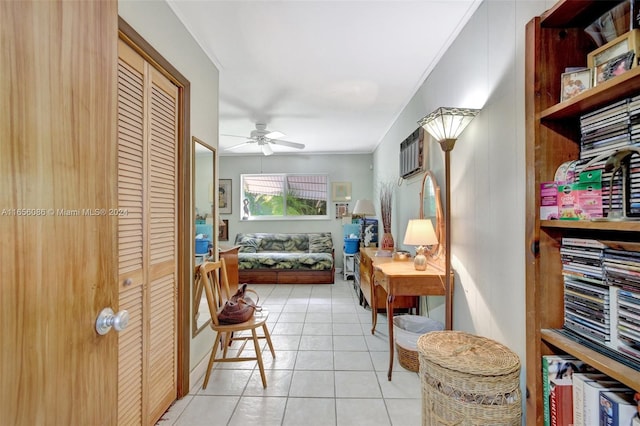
[
  {"x": 361, "y": 210},
  {"x": 224, "y": 196},
  {"x": 445, "y": 125},
  {"x": 401, "y": 256},
  {"x": 420, "y": 233},
  {"x": 468, "y": 379},
  {"x": 342, "y": 210},
  {"x": 341, "y": 191},
  {"x": 575, "y": 82},
  {"x": 223, "y": 230},
  {"x": 386, "y": 207}
]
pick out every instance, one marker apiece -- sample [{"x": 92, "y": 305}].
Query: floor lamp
[{"x": 445, "y": 125}]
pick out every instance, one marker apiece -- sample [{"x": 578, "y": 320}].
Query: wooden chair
[{"x": 209, "y": 272}]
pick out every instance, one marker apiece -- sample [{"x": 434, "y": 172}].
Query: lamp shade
[
  {"x": 448, "y": 123},
  {"x": 420, "y": 232},
  {"x": 364, "y": 207}
]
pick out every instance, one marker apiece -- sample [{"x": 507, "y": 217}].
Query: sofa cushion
[
  {"x": 320, "y": 243},
  {"x": 249, "y": 244}
]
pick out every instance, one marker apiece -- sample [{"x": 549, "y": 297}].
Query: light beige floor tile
[
  {"x": 176, "y": 409},
  {"x": 347, "y": 329},
  {"x": 288, "y": 328},
  {"x": 292, "y": 316},
  {"x": 294, "y": 308},
  {"x": 405, "y": 412},
  {"x": 314, "y": 360},
  {"x": 317, "y": 329},
  {"x": 318, "y": 317},
  {"x": 208, "y": 411},
  {"x": 349, "y": 343},
  {"x": 278, "y": 383},
  {"x": 352, "y": 361},
  {"x": 364, "y": 412},
  {"x": 284, "y": 342},
  {"x": 316, "y": 343},
  {"x": 310, "y": 412},
  {"x": 259, "y": 411},
  {"x": 226, "y": 382},
  {"x": 404, "y": 384},
  {"x": 319, "y": 307},
  {"x": 312, "y": 384},
  {"x": 357, "y": 384}
]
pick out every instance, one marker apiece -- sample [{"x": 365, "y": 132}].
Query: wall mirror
[
  {"x": 204, "y": 197},
  {"x": 431, "y": 208}
]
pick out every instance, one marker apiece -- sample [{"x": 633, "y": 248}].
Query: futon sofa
[{"x": 276, "y": 258}]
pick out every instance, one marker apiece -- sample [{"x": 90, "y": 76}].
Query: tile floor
[{"x": 328, "y": 370}]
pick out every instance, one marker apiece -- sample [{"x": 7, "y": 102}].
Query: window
[{"x": 284, "y": 196}]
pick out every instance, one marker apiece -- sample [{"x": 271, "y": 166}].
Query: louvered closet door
[{"x": 147, "y": 135}]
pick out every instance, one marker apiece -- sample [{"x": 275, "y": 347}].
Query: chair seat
[{"x": 257, "y": 320}]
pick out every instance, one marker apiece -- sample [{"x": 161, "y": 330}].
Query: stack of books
[{"x": 576, "y": 394}]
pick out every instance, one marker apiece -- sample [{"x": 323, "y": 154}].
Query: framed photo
[
  {"x": 599, "y": 58},
  {"x": 342, "y": 210},
  {"x": 223, "y": 230},
  {"x": 341, "y": 191},
  {"x": 224, "y": 196},
  {"x": 616, "y": 66},
  {"x": 574, "y": 83}
]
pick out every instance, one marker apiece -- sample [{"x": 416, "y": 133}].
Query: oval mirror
[
  {"x": 431, "y": 208},
  {"x": 203, "y": 191}
]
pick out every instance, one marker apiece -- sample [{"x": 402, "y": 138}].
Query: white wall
[
  {"x": 159, "y": 26},
  {"x": 483, "y": 68},
  {"x": 354, "y": 168}
]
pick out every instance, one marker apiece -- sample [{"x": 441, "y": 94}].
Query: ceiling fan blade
[
  {"x": 238, "y": 145},
  {"x": 275, "y": 135},
  {"x": 233, "y": 136},
  {"x": 289, "y": 144},
  {"x": 266, "y": 149}
]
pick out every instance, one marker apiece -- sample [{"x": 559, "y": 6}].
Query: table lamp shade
[
  {"x": 364, "y": 207},
  {"x": 420, "y": 233}
]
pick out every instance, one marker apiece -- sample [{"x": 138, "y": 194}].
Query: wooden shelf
[
  {"x": 620, "y": 87},
  {"x": 575, "y": 13},
  {"x": 606, "y": 365},
  {"x": 596, "y": 225}
]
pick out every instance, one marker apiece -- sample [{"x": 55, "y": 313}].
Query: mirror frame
[
  {"x": 436, "y": 250},
  {"x": 197, "y": 291}
]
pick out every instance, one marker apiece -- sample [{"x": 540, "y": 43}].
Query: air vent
[{"x": 411, "y": 153}]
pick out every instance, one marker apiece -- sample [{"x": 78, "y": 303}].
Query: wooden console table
[{"x": 401, "y": 279}]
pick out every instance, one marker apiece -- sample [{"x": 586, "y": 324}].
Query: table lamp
[{"x": 420, "y": 233}]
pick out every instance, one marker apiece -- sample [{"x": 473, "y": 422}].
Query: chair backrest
[{"x": 214, "y": 280}]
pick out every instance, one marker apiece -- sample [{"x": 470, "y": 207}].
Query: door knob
[{"x": 107, "y": 319}]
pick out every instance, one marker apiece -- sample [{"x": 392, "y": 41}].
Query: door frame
[{"x": 140, "y": 45}]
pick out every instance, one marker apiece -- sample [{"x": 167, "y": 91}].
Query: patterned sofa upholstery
[{"x": 276, "y": 258}]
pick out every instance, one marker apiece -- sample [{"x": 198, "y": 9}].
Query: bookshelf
[{"x": 554, "y": 41}]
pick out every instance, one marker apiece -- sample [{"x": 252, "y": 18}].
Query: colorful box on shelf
[{"x": 581, "y": 200}]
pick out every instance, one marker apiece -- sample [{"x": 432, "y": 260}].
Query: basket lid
[{"x": 467, "y": 353}]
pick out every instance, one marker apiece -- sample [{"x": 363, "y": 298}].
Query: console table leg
[{"x": 390, "y": 299}]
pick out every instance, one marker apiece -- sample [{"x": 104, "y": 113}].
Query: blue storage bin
[
  {"x": 202, "y": 245},
  {"x": 351, "y": 245}
]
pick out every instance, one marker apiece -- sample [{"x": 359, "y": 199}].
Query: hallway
[{"x": 329, "y": 369}]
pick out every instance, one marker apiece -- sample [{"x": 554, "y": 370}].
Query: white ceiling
[{"x": 333, "y": 75}]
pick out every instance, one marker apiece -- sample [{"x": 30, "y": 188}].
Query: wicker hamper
[{"x": 468, "y": 380}]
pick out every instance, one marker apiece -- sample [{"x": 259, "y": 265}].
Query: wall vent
[{"x": 412, "y": 153}]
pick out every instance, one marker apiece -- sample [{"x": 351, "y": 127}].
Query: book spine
[
  {"x": 553, "y": 407},
  {"x": 546, "y": 392}
]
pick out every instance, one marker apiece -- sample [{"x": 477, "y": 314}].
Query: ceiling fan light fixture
[
  {"x": 266, "y": 149},
  {"x": 275, "y": 135}
]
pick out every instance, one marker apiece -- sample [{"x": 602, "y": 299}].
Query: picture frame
[
  {"x": 599, "y": 59},
  {"x": 575, "y": 82},
  {"x": 341, "y": 191},
  {"x": 224, "y": 196},
  {"x": 617, "y": 66},
  {"x": 342, "y": 210},
  {"x": 223, "y": 230}
]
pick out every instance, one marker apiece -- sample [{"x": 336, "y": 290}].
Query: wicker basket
[
  {"x": 408, "y": 358},
  {"x": 468, "y": 380}
]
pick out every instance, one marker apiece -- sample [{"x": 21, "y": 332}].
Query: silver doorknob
[{"x": 107, "y": 319}]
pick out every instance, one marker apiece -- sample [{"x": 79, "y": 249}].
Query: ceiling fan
[{"x": 264, "y": 139}]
